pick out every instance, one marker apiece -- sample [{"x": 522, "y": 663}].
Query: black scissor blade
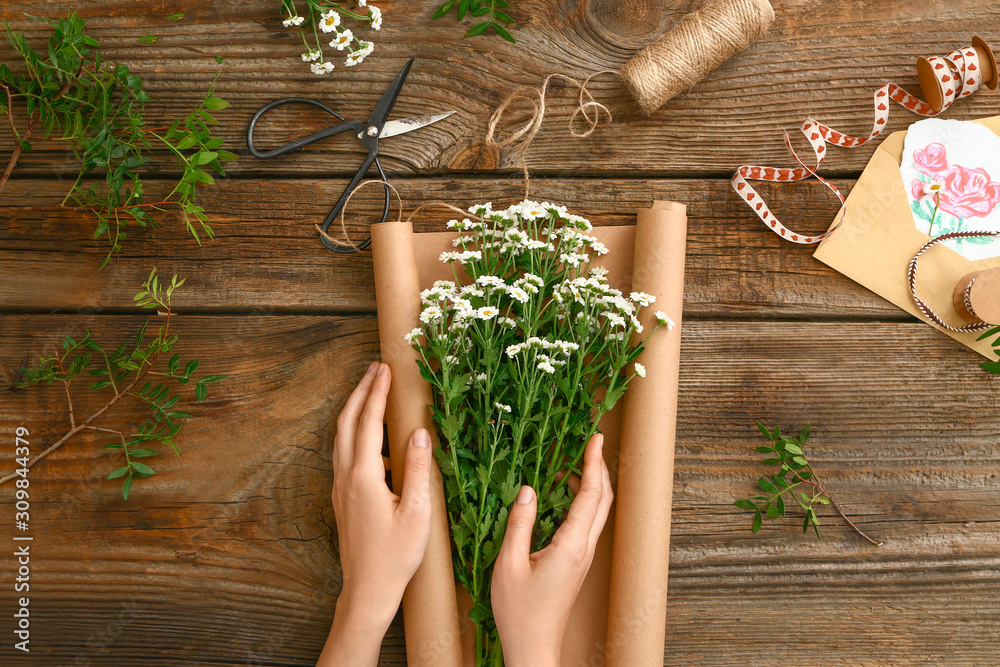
[{"x": 384, "y": 106}]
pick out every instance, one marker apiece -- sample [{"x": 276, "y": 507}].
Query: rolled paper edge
[
  {"x": 640, "y": 557},
  {"x": 430, "y": 610},
  {"x": 991, "y": 77},
  {"x": 958, "y": 297}
]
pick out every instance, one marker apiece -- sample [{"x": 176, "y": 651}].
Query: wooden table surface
[{"x": 229, "y": 555}]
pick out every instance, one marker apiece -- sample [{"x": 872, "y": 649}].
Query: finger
[
  {"x": 583, "y": 511},
  {"x": 573, "y": 481},
  {"x": 516, "y": 545},
  {"x": 607, "y": 497},
  {"x": 368, "y": 444},
  {"x": 415, "y": 497},
  {"x": 347, "y": 422}
]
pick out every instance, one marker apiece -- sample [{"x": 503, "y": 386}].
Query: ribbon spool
[
  {"x": 977, "y": 296},
  {"x": 943, "y": 79},
  {"x": 697, "y": 44}
]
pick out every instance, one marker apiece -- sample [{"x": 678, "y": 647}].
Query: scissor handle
[
  {"x": 343, "y": 200},
  {"x": 355, "y": 126}
]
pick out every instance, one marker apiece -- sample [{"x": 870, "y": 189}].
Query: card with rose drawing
[{"x": 951, "y": 170}]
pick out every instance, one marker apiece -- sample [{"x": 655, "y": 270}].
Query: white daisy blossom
[
  {"x": 362, "y": 3},
  {"x": 310, "y": 56},
  {"x": 492, "y": 281},
  {"x": 431, "y": 314},
  {"x": 342, "y": 40},
  {"x": 547, "y": 367},
  {"x": 376, "y": 15},
  {"x": 615, "y": 319},
  {"x": 450, "y": 359},
  {"x": 481, "y": 377},
  {"x": 513, "y": 350},
  {"x": 518, "y": 294},
  {"x": 354, "y": 58},
  {"x": 293, "y": 21},
  {"x": 487, "y": 313},
  {"x": 642, "y": 298},
  {"x": 329, "y": 21},
  {"x": 664, "y": 320},
  {"x": 414, "y": 334},
  {"x": 508, "y": 322},
  {"x": 640, "y": 370},
  {"x": 321, "y": 68},
  {"x": 502, "y": 408}
]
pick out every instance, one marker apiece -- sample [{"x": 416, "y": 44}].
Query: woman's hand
[
  {"x": 382, "y": 536},
  {"x": 533, "y": 593}
]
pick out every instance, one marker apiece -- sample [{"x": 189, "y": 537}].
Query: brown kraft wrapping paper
[
  {"x": 430, "y": 611},
  {"x": 646, "y": 257},
  {"x": 637, "y": 607}
]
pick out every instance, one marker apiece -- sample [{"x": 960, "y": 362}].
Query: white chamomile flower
[
  {"x": 518, "y": 294},
  {"x": 487, "y": 313},
  {"x": 413, "y": 335},
  {"x": 362, "y": 3},
  {"x": 311, "y": 56},
  {"x": 376, "y": 15},
  {"x": 513, "y": 350},
  {"x": 636, "y": 323},
  {"x": 508, "y": 322},
  {"x": 481, "y": 377},
  {"x": 321, "y": 68},
  {"x": 547, "y": 367},
  {"x": 431, "y": 314},
  {"x": 342, "y": 40},
  {"x": 664, "y": 320},
  {"x": 448, "y": 256},
  {"x": 293, "y": 21},
  {"x": 642, "y": 298},
  {"x": 492, "y": 281},
  {"x": 461, "y": 304},
  {"x": 599, "y": 248},
  {"x": 615, "y": 319},
  {"x": 329, "y": 21},
  {"x": 640, "y": 370},
  {"x": 502, "y": 407},
  {"x": 599, "y": 272}
]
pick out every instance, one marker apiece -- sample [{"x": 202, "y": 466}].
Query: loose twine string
[
  {"x": 911, "y": 278},
  {"x": 589, "y": 109}
]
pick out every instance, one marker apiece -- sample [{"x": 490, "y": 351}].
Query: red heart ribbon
[{"x": 957, "y": 74}]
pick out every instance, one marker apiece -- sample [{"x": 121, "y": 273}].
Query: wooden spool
[
  {"x": 931, "y": 87},
  {"x": 984, "y": 296}
]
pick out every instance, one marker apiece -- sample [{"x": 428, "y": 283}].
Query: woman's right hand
[{"x": 533, "y": 593}]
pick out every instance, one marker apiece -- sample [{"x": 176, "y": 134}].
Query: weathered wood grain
[
  {"x": 821, "y": 60},
  {"x": 267, "y": 256},
  {"x": 228, "y": 555}
]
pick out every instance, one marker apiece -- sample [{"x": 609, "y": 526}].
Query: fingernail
[
  {"x": 525, "y": 495},
  {"x": 600, "y": 440},
  {"x": 381, "y": 367},
  {"x": 371, "y": 369},
  {"x": 421, "y": 438}
]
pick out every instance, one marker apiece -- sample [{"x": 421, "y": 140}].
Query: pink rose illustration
[
  {"x": 931, "y": 160},
  {"x": 968, "y": 193}
]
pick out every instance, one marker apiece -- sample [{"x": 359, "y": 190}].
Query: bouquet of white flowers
[{"x": 526, "y": 349}]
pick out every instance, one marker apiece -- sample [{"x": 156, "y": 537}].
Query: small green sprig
[
  {"x": 794, "y": 471},
  {"x": 992, "y": 366},
  {"x": 70, "y": 95},
  {"x": 128, "y": 371},
  {"x": 491, "y": 11}
]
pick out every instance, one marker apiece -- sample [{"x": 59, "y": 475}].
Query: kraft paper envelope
[{"x": 878, "y": 238}]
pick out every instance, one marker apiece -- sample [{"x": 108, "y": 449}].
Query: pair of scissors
[{"x": 369, "y": 133}]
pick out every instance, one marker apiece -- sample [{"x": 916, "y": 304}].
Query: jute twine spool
[{"x": 698, "y": 43}]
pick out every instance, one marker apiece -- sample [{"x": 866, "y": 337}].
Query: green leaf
[
  {"x": 216, "y": 103},
  {"x": 478, "y": 29},
  {"x": 141, "y": 453},
  {"x": 142, "y": 468},
  {"x": 801, "y": 461},
  {"x": 100, "y": 385},
  {"x": 502, "y": 31},
  {"x": 218, "y": 59},
  {"x": 745, "y": 504},
  {"x": 176, "y": 17},
  {"x": 126, "y": 487},
  {"x": 148, "y": 39},
  {"x": 200, "y": 391},
  {"x": 765, "y": 485},
  {"x": 757, "y": 520},
  {"x": 793, "y": 448},
  {"x": 118, "y": 473}
]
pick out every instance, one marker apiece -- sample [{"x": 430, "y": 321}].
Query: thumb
[
  {"x": 415, "y": 495},
  {"x": 520, "y": 524}
]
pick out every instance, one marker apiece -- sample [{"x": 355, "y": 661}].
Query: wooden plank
[
  {"x": 824, "y": 62},
  {"x": 268, "y": 258},
  {"x": 228, "y": 556}
]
